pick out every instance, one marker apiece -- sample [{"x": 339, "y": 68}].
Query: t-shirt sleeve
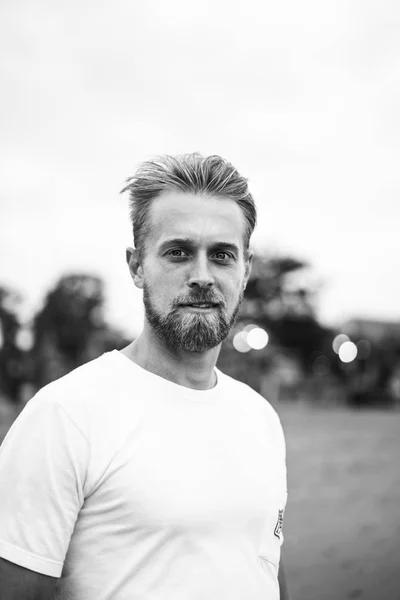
[
  {"x": 284, "y": 470},
  {"x": 281, "y": 454},
  {"x": 43, "y": 465}
]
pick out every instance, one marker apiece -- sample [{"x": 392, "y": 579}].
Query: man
[{"x": 148, "y": 473}]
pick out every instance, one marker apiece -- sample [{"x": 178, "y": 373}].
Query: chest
[{"x": 192, "y": 472}]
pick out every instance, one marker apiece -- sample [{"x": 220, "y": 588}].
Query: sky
[{"x": 302, "y": 97}]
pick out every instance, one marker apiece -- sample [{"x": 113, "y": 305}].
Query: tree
[
  {"x": 11, "y": 356},
  {"x": 279, "y": 299},
  {"x": 70, "y": 328}
]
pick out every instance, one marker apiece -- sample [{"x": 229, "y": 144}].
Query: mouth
[{"x": 201, "y": 306}]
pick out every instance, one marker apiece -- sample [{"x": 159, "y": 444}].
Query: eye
[
  {"x": 176, "y": 253},
  {"x": 222, "y": 255}
]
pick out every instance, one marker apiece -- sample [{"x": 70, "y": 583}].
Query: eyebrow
[{"x": 189, "y": 244}]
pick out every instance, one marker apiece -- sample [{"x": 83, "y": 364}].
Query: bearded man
[{"x": 148, "y": 474}]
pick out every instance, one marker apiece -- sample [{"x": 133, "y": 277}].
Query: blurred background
[{"x": 303, "y": 98}]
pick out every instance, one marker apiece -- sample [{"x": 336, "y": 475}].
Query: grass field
[{"x": 342, "y": 523}]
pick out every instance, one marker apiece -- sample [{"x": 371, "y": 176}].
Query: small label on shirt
[{"x": 279, "y": 524}]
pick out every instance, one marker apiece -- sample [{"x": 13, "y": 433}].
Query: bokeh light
[
  {"x": 240, "y": 342},
  {"x": 338, "y": 341},
  {"x": 250, "y": 327},
  {"x": 257, "y": 338},
  {"x": 347, "y": 352},
  {"x": 24, "y": 339}
]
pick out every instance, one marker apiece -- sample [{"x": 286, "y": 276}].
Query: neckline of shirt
[{"x": 201, "y": 396}]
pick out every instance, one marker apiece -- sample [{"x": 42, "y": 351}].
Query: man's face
[{"x": 194, "y": 256}]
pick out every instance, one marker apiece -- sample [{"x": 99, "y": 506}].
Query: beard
[{"x": 185, "y": 330}]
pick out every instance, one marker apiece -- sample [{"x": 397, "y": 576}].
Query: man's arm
[
  {"x": 18, "y": 583},
  {"x": 284, "y": 592},
  {"x": 43, "y": 462}
]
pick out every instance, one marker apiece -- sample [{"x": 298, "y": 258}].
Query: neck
[{"x": 190, "y": 369}]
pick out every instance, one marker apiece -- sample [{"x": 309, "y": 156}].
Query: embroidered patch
[{"x": 279, "y": 524}]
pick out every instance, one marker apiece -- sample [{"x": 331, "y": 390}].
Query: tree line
[{"x": 70, "y": 329}]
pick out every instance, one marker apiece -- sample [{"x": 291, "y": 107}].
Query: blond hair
[{"x": 193, "y": 173}]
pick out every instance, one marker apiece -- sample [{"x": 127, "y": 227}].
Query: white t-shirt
[{"x": 127, "y": 486}]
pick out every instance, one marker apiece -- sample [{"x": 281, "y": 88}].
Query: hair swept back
[{"x": 193, "y": 173}]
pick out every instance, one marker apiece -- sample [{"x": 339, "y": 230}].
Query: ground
[{"x": 342, "y": 523}]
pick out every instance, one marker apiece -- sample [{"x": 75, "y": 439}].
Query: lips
[{"x": 205, "y": 305}]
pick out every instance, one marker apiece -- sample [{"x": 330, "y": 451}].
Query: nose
[{"x": 201, "y": 275}]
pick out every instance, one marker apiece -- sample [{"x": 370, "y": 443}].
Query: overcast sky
[{"x": 303, "y": 97}]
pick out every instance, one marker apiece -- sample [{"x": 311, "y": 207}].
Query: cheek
[
  {"x": 233, "y": 286},
  {"x": 232, "y": 295},
  {"x": 160, "y": 289}
]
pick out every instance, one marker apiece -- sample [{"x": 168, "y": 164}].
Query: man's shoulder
[
  {"x": 89, "y": 385},
  {"x": 92, "y": 374},
  {"x": 248, "y": 394}
]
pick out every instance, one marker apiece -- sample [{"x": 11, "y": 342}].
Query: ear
[
  {"x": 135, "y": 268},
  {"x": 248, "y": 265}
]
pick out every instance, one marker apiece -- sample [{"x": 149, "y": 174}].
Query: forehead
[{"x": 204, "y": 219}]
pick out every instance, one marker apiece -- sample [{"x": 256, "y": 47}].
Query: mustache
[{"x": 200, "y": 299}]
